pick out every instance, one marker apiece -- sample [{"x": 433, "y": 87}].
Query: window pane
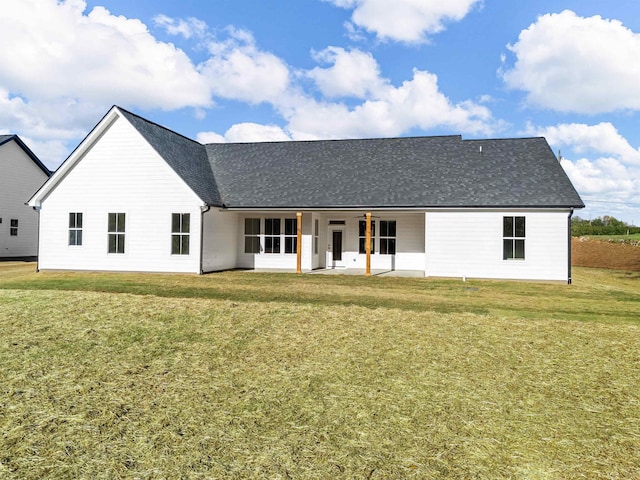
[
  {"x": 362, "y": 228},
  {"x": 175, "y": 223},
  {"x": 383, "y": 244},
  {"x": 186, "y": 221},
  {"x": 252, "y": 226},
  {"x": 78, "y": 220},
  {"x": 507, "y": 227},
  {"x": 384, "y": 229},
  {"x": 175, "y": 244},
  {"x": 72, "y": 220},
  {"x": 251, "y": 244},
  {"x": 290, "y": 245},
  {"x": 519, "y": 230},
  {"x": 316, "y": 228},
  {"x": 290, "y": 226},
  {"x": 72, "y": 237},
  {"x": 392, "y": 228},
  {"x": 120, "y": 243},
  {"x": 120, "y": 222},
  {"x": 519, "y": 253},
  {"x": 392, "y": 246},
  {"x": 14, "y": 222},
  {"x": 507, "y": 249},
  {"x": 112, "y": 222},
  {"x": 78, "y": 237},
  {"x": 272, "y": 226},
  {"x": 185, "y": 244},
  {"x": 112, "y": 243}
]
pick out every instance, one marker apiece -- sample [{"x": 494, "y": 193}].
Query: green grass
[{"x": 246, "y": 375}]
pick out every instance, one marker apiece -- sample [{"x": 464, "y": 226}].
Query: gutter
[{"x": 203, "y": 209}]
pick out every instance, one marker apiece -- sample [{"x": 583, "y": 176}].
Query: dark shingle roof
[
  {"x": 410, "y": 172},
  {"x": 6, "y": 138},
  {"x": 392, "y": 172},
  {"x": 187, "y": 157}
]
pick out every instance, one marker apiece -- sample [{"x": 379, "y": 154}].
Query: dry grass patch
[{"x": 121, "y": 385}]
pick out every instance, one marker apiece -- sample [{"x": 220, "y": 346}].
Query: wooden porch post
[
  {"x": 299, "y": 243},
  {"x": 368, "y": 244}
]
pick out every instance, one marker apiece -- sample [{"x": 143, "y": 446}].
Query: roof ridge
[
  {"x": 124, "y": 110},
  {"x": 319, "y": 140}
]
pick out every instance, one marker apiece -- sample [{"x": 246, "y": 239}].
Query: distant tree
[{"x": 606, "y": 225}]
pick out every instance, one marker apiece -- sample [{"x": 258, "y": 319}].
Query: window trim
[
  {"x": 252, "y": 237},
  {"x": 75, "y": 229},
  {"x": 118, "y": 234},
  {"x": 514, "y": 241},
  {"x": 388, "y": 239},
  {"x": 273, "y": 235},
  {"x": 183, "y": 237}
]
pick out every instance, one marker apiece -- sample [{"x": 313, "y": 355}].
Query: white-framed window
[
  {"x": 362, "y": 236},
  {"x": 116, "y": 232},
  {"x": 316, "y": 235},
  {"x": 387, "y": 237},
  {"x": 75, "y": 229},
  {"x": 13, "y": 227},
  {"x": 271, "y": 235},
  {"x": 290, "y": 235},
  {"x": 180, "y": 233},
  {"x": 251, "y": 235},
  {"x": 513, "y": 236}
]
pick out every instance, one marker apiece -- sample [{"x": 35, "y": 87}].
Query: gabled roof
[
  {"x": 392, "y": 172},
  {"x": 7, "y": 138},
  {"x": 409, "y": 172}
]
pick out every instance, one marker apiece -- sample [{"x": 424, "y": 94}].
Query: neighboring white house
[
  {"x": 21, "y": 174},
  {"x": 135, "y": 196}
]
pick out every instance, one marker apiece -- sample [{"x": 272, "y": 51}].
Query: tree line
[{"x": 601, "y": 226}]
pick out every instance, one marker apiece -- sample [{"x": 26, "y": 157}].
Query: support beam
[
  {"x": 299, "y": 243},
  {"x": 367, "y": 246}
]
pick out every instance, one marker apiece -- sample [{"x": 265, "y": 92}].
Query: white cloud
[
  {"x": 246, "y": 132},
  {"x": 405, "y": 20},
  {"x": 417, "y": 103},
  {"x": 187, "y": 27},
  {"x": 603, "y": 166},
  {"x": 574, "y": 64},
  {"x": 238, "y": 70},
  {"x": 353, "y": 74}
]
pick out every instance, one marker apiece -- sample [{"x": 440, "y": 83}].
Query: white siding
[
  {"x": 221, "y": 240},
  {"x": 469, "y": 244},
  {"x": 120, "y": 173},
  {"x": 20, "y": 177}
]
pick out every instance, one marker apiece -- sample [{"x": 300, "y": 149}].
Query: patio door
[{"x": 337, "y": 251}]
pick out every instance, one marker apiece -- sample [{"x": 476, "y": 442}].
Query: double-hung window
[
  {"x": 388, "y": 237},
  {"x": 272, "y": 235},
  {"x": 180, "y": 231},
  {"x": 13, "y": 227},
  {"x": 251, "y": 235},
  {"x": 362, "y": 236},
  {"x": 75, "y": 229},
  {"x": 290, "y": 235},
  {"x": 116, "y": 232},
  {"x": 513, "y": 233}
]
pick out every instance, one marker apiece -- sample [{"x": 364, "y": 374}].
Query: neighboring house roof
[{"x": 7, "y": 138}]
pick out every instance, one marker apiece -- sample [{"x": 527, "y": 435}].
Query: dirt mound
[{"x": 586, "y": 252}]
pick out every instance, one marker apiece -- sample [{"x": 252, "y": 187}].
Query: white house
[
  {"x": 21, "y": 174},
  {"x": 135, "y": 196}
]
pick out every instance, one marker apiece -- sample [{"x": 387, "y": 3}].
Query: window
[
  {"x": 316, "y": 234},
  {"x": 251, "y": 235},
  {"x": 75, "y": 229},
  {"x": 272, "y": 235},
  {"x": 180, "y": 229},
  {"x": 513, "y": 232},
  {"x": 13, "y": 227},
  {"x": 388, "y": 237},
  {"x": 116, "y": 232},
  {"x": 290, "y": 235},
  {"x": 362, "y": 236}
]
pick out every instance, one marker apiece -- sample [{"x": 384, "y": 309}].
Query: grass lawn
[
  {"x": 634, "y": 237},
  {"x": 247, "y": 375}
]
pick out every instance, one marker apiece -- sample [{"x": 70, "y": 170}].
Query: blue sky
[{"x": 254, "y": 70}]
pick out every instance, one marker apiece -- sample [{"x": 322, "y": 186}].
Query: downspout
[
  {"x": 203, "y": 209},
  {"x": 569, "y": 246},
  {"x": 37, "y": 209}
]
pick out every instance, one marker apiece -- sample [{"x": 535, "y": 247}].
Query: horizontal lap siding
[
  {"x": 120, "y": 173},
  {"x": 470, "y": 244},
  {"x": 20, "y": 177},
  {"x": 221, "y": 240}
]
